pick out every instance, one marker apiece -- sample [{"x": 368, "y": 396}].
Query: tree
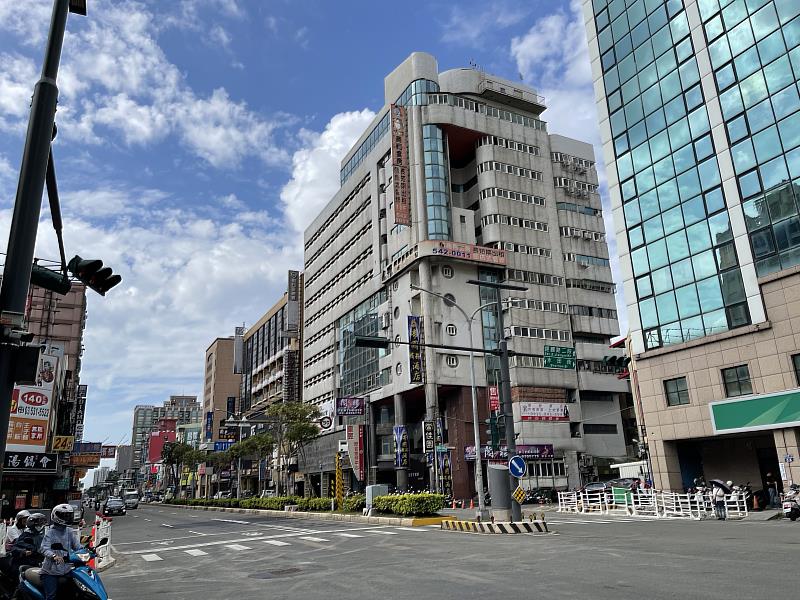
[
  {"x": 174, "y": 455},
  {"x": 292, "y": 426}
]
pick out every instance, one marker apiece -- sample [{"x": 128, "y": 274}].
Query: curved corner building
[{"x": 458, "y": 179}]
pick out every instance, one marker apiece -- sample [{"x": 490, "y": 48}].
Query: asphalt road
[{"x": 165, "y": 552}]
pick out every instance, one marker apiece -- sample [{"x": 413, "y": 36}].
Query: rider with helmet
[
  {"x": 25, "y": 551},
  {"x": 60, "y": 532},
  {"x": 16, "y": 529}
]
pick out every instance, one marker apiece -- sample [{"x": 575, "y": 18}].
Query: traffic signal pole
[{"x": 27, "y": 208}]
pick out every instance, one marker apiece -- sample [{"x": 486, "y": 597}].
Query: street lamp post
[
  {"x": 505, "y": 385},
  {"x": 482, "y": 512}
]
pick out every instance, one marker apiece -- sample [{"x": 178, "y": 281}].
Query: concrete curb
[
  {"x": 535, "y": 527},
  {"x": 322, "y": 516}
]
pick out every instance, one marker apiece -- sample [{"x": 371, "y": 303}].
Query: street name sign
[{"x": 559, "y": 357}]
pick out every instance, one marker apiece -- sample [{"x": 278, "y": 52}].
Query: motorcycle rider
[
  {"x": 16, "y": 529},
  {"x": 60, "y": 532},
  {"x": 25, "y": 551}
]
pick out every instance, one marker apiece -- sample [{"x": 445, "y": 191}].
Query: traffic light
[
  {"x": 50, "y": 280},
  {"x": 493, "y": 432},
  {"x": 93, "y": 274},
  {"x": 616, "y": 361}
]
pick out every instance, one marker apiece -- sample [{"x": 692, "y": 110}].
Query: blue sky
[{"x": 198, "y": 137}]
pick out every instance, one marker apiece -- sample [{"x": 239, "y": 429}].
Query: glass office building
[{"x": 700, "y": 121}]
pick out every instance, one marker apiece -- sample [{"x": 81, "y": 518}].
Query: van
[{"x": 131, "y": 499}]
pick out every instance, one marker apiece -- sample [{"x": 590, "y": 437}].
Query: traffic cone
[
  {"x": 472, "y": 503},
  {"x": 454, "y": 503},
  {"x": 755, "y": 502}
]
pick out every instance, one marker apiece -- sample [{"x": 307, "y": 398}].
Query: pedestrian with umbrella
[{"x": 718, "y": 490}]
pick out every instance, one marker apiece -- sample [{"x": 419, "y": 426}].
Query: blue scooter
[{"x": 81, "y": 583}]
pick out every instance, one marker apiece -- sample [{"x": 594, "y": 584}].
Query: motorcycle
[
  {"x": 791, "y": 502},
  {"x": 82, "y": 582}
]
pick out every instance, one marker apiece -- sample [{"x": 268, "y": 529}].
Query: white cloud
[
  {"x": 272, "y": 24},
  {"x": 220, "y": 36},
  {"x": 554, "y": 56},
  {"x": 468, "y": 26},
  {"x": 115, "y": 75},
  {"x": 315, "y": 167},
  {"x": 301, "y": 37}
]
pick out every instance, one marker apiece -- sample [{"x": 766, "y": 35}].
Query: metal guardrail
[{"x": 650, "y": 503}]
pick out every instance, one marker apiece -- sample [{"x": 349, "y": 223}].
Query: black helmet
[
  {"x": 63, "y": 514},
  {"x": 37, "y": 522}
]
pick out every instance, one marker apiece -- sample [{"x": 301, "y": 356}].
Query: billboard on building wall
[
  {"x": 80, "y": 408},
  {"x": 293, "y": 304},
  {"x": 291, "y": 376},
  {"x": 400, "y": 171},
  {"x": 544, "y": 411},
  {"x": 355, "y": 449},
  {"x": 401, "y": 447},
  {"x": 349, "y": 406}
]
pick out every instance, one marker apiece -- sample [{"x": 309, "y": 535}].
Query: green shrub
[
  {"x": 355, "y": 503},
  {"x": 409, "y": 504},
  {"x": 314, "y": 504}
]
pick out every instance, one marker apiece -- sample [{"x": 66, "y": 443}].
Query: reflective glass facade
[
  {"x": 437, "y": 186},
  {"x": 359, "y": 368},
  {"x": 415, "y": 93},
  {"x": 686, "y": 269},
  {"x": 754, "y": 46}
]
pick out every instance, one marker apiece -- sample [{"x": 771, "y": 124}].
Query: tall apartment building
[
  {"x": 220, "y": 391},
  {"x": 183, "y": 409},
  {"x": 272, "y": 356},
  {"x": 458, "y": 179},
  {"x": 698, "y": 105}
]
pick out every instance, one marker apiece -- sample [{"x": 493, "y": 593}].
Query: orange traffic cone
[
  {"x": 755, "y": 502},
  {"x": 472, "y": 503},
  {"x": 454, "y": 503}
]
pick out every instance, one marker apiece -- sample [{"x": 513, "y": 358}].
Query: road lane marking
[
  {"x": 413, "y": 528},
  {"x": 151, "y": 557},
  {"x": 149, "y": 520},
  {"x": 197, "y": 533},
  {"x": 311, "y": 538},
  {"x": 170, "y": 526},
  {"x": 238, "y": 547},
  {"x": 196, "y": 552},
  {"x": 384, "y": 532},
  {"x": 349, "y": 535},
  {"x": 276, "y": 542},
  {"x": 232, "y": 521}
]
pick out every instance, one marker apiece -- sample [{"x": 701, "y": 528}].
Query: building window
[
  {"x": 677, "y": 391},
  {"x": 600, "y": 428},
  {"x": 386, "y": 445},
  {"x": 449, "y": 300},
  {"x": 796, "y": 364},
  {"x": 452, "y": 360},
  {"x": 396, "y": 312},
  {"x": 451, "y": 330},
  {"x": 398, "y": 368},
  {"x": 447, "y": 271},
  {"x": 547, "y": 468},
  {"x": 737, "y": 381}
]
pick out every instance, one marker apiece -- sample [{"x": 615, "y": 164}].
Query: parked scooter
[
  {"x": 791, "y": 502},
  {"x": 82, "y": 582}
]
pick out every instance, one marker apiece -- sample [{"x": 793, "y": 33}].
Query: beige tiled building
[{"x": 771, "y": 352}]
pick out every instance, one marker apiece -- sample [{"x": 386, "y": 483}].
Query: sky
[{"x": 198, "y": 138}]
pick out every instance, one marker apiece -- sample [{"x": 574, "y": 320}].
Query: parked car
[
  {"x": 267, "y": 494},
  {"x": 222, "y": 495},
  {"x": 114, "y": 506}
]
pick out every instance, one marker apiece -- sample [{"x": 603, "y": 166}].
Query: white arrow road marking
[
  {"x": 151, "y": 557},
  {"x": 196, "y": 552},
  {"x": 237, "y": 547},
  {"x": 276, "y": 542}
]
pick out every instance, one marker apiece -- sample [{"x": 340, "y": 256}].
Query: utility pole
[
  {"x": 27, "y": 206},
  {"x": 505, "y": 386}
]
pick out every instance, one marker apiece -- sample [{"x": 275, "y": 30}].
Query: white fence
[
  {"x": 649, "y": 503},
  {"x": 102, "y": 529}
]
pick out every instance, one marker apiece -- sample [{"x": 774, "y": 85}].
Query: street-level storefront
[{"x": 32, "y": 480}]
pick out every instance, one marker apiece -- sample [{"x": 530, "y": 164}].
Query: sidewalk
[{"x": 468, "y": 514}]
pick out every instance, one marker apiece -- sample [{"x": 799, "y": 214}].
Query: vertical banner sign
[
  {"x": 293, "y": 304},
  {"x": 428, "y": 436},
  {"x": 414, "y": 349},
  {"x": 355, "y": 449},
  {"x": 80, "y": 407},
  {"x": 291, "y": 376},
  {"x": 401, "y": 449},
  {"x": 494, "y": 399},
  {"x": 231, "y": 406},
  {"x": 446, "y": 473},
  {"x": 400, "y": 172},
  {"x": 209, "y": 425}
]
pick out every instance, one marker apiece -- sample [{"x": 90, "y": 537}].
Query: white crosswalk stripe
[
  {"x": 237, "y": 547},
  {"x": 151, "y": 557},
  {"x": 276, "y": 542},
  {"x": 349, "y": 535},
  {"x": 384, "y": 532},
  {"x": 196, "y": 552},
  {"x": 312, "y": 539}
]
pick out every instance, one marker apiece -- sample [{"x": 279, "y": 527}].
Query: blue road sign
[{"x": 517, "y": 466}]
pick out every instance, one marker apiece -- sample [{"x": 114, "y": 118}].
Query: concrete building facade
[
  {"x": 220, "y": 392},
  {"x": 183, "y": 409},
  {"x": 457, "y": 179},
  {"x": 698, "y": 107}
]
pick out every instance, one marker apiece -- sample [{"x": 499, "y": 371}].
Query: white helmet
[
  {"x": 729, "y": 483},
  {"x": 63, "y": 514}
]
